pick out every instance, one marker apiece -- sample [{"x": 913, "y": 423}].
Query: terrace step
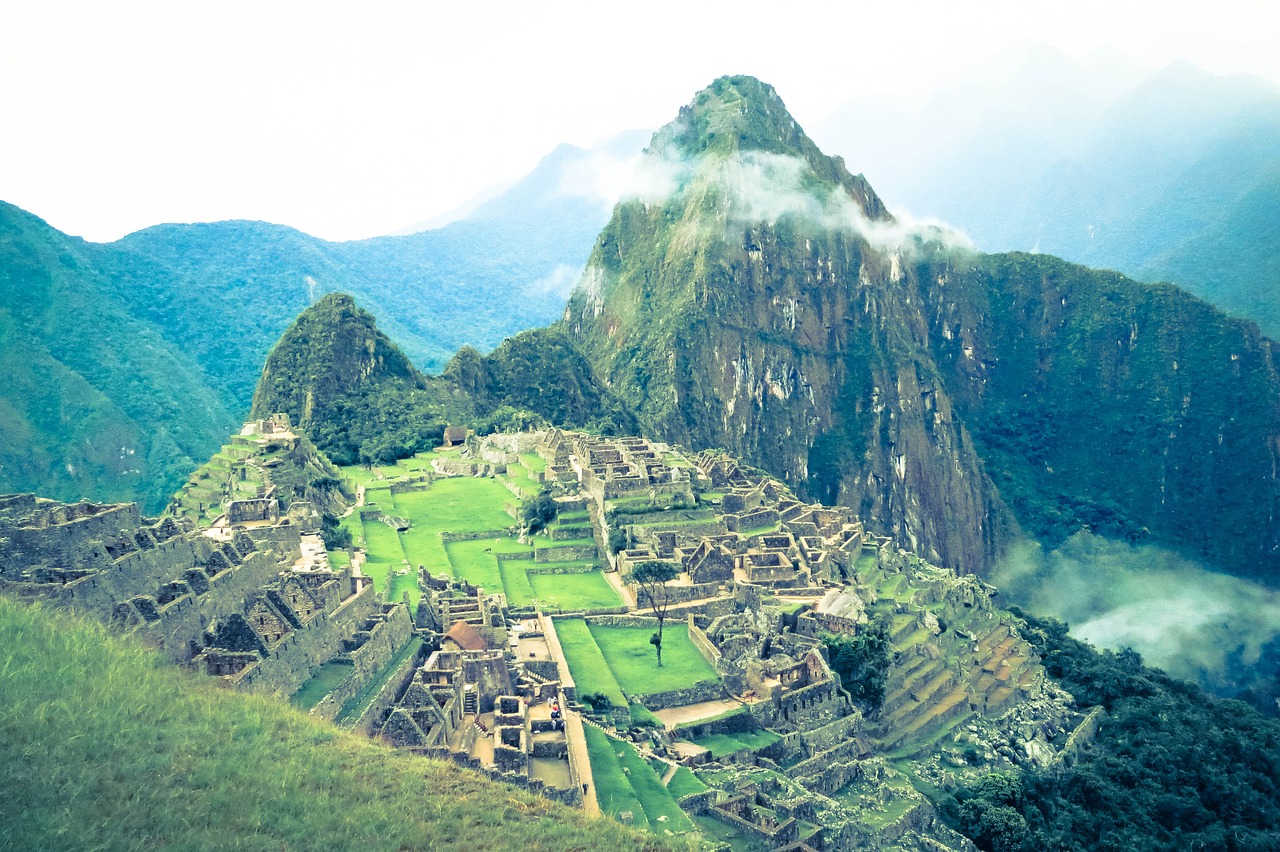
[
  {"x": 901, "y": 625},
  {"x": 927, "y": 741},
  {"x": 924, "y": 699},
  {"x": 901, "y": 693},
  {"x": 997, "y": 634},
  {"x": 954, "y": 705}
]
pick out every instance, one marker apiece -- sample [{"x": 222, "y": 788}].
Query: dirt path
[
  {"x": 615, "y": 579},
  {"x": 673, "y": 716}
]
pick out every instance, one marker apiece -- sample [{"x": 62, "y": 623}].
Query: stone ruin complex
[
  {"x": 255, "y": 605},
  {"x": 762, "y": 578},
  {"x": 265, "y": 472}
]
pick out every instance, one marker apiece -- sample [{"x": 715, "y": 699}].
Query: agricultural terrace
[
  {"x": 455, "y": 504},
  {"x": 626, "y": 782},
  {"x": 620, "y": 660},
  {"x": 473, "y": 504},
  {"x": 530, "y": 583},
  {"x": 525, "y": 475}
]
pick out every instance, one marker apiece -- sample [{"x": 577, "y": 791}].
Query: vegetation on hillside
[
  {"x": 949, "y": 397},
  {"x": 862, "y": 661},
  {"x": 539, "y": 372},
  {"x": 96, "y": 402},
  {"x": 106, "y": 745},
  {"x": 1168, "y": 769},
  {"x": 343, "y": 381},
  {"x": 1093, "y": 365}
]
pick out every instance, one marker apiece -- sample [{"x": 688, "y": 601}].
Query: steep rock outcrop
[
  {"x": 748, "y": 309},
  {"x": 758, "y": 297}
]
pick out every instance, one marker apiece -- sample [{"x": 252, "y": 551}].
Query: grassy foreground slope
[{"x": 106, "y": 746}]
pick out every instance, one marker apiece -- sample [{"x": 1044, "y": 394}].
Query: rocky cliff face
[
  {"x": 758, "y": 297},
  {"x": 748, "y": 308}
]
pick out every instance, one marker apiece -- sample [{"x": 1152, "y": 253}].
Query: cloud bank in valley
[{"x": 1192, "y": 622}]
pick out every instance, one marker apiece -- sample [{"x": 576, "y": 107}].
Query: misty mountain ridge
[
  {"x": 765, "y": 301},
  {"x": 1165, "y": 174},
  {"x": 171, "y": 324}
]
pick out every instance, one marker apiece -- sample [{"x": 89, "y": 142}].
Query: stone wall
[
  {"x": 566, "y": 553},
  {"x": 696, "y": 694},
  {"x": 698, "y": 803},
  {"x": 753, "y": 519},
  {"x": 733, "y": 722},
  {"x": 185, "y": 618},
  {"x": 422, "y": 482},
  {"x": 679, "y": 594},
  {"x": 589, "y": 568},
  {"x": 384, "y": 642},
  {"x": 42, "y": 532},
  {"x": 704, "y": 645},
  {"x": 829, "y": 770},
  {"x": 396, "y": 684},
  {"x": 623, "y": 621},
  {"x": 447, "y": 536},
  {"x": 295, "y": 658}
]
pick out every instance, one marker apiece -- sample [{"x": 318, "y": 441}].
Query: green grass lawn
[
  {"x": 386, "y": 558},
  {"x": 106, "y": 745},
  {"x": 523, "y": 479},
  {"x": 587, "y": 665},
  {"x": 685, "y": 783},
  {"x": 381, "y": 574},
  {"x": 401, "y": 469},
  {"x": 656, "y": 799},
  {"x": 324, "y": 681},
  {"x": 625, "y": 782},
  {"x": 573, "y": 591},
  {"x": 613, "y": 790},
  {"x": 405, "y": 582},
  {"x": 457, "y": 504},
  {"x": 632, "y": 660},
  {"x": 515, "y": 581},
  {"x": 474, "y": 561},
  {"x": 722, "y": 744},
  {"x": 533, "y": 462},
  {"x": 378, "y": 494}
]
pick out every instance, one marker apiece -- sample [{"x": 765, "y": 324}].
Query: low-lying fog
[{"x": 1214, "y": 629}]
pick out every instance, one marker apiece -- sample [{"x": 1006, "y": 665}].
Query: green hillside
[
  {"x": 106, "y": 746},
  {"x": 96, "y": 402}
]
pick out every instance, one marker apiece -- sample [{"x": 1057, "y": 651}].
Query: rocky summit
[{"x": 757, "y": 296}]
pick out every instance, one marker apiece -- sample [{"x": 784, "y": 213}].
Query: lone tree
[
  {"x": 538, "y": 511},
  {"x": 652, "y": 577}
]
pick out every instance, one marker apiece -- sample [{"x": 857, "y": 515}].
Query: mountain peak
[
  {"x": 733, "y": 113},
  {"x": 332, "y": 348}
]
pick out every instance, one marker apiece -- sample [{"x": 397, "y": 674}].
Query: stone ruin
[{"x": 234, "y": 605}]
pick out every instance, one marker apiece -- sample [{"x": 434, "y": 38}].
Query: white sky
[{"x": 350, "y": 120}]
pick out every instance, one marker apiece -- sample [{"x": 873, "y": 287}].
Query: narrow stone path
[
  {"x": 670, "y": 773},
  {"x": 578, "y": 744},
  {"x": 615, "y": 579}
]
